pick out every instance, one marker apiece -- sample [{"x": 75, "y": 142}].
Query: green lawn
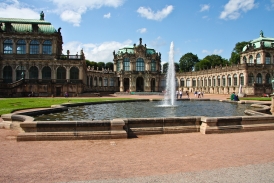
[
  {"x": 9, "y": 105},
  {"x": 257, "y": 98}
]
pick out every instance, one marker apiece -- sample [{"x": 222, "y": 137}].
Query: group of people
[
  {"x": 234, "y": 97},
  {"x": 180, "y": 94},
  {"x": 198, "y": 94}
]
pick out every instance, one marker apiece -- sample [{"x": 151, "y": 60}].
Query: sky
[{"x": 202, "y": 27}]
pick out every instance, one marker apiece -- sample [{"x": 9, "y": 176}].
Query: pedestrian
[
  {"x": 187, "y": 94},
  {"x": 177, "y": 93},
  {"x": 181, "y": 93},
  {"x": 199, "y": 94},
  {"x": 232, "y": 96}
]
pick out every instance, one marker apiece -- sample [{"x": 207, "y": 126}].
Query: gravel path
[{"x": 192, "y": 157}]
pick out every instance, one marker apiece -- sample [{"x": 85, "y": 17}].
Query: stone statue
[
  {"x": 114, "y": 53},
  {"x": 59, "y": 29},
  {"x": 140, "y": 41},
  {"x": 261, "y": 33},
  {"x": 67, "y": 52},
  {"x": 42, "y": 15}
]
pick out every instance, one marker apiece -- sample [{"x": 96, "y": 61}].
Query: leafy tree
[
  {"x": 91, "y": 63},
  {"x": 176, "y": 67},
  {"x": 235, "y": 54},
  {"x": 211, "y": 61},
  {"x": 101, "y": 65},
  {"x": 188, "y": 61},
  {"x": 109, "y": 65}
]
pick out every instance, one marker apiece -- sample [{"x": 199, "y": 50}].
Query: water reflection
[{"x": 147, "y": 110}]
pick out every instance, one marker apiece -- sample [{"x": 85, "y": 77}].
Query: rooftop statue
[
  {"x": 261, "y": 33},
  {"x": 42, "y": 15}
]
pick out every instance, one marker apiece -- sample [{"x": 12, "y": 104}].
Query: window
[
  {"x": 105, "y": 81},
  {"x": 7, "y": 46},
  {"x": 209, "y": 81},
  {"x": 219, "y": 81},
  {"x": 267, "y": 78},
  {"x": 111, "y": 82},
  {"x": 47, "y": 47},
  {"x": 126, "y": 64},
  {"x": 251, "y": 59},
  {"x": 153, "y": 65},
  {"x": 235, "y": 83},
  {"x": 90, "y": 81},
  {"x": 259, "y": 78},
  {"x": 74, "y": 73},
  {"x": 95, "y": 81},
  {"x": 20, "y": 72},
  {"x": 100, "y": 81},
  {"x": 46, "y": 73},
  {"x": 242, "y": 79},
  {"x": 229, "y": 80},
  {"x": 214, "y": 81},
  {"x": 182, "y": 82},
  {"x": 33, "y": 72},
  {"x": 250, "y": 78},
  {"x": 194, "y": 82},
  {"x": 61, "y": 73},
  {"x": 188, "y": 82},
  {"x": 205, "y": 82},
  {"x": 258, "y": 58},
  {"x": 223, "y": 80},
  {"x": 244, "y": 59},
  {"x": 118, "y": 66},
  {"x": 140, "y": 65},
  {"x": 267, "y": 58},
  {"x": 34, "y": 47},
  {"x": 7, "y": 74},
  {"x": 21, "y": 47}
]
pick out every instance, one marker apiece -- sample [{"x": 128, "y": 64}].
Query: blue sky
[{"x": 202, "y": 27}]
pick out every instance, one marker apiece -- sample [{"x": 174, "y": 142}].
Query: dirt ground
[{"x": 61, "y": 161}]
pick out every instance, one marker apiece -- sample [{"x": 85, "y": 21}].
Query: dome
[
  {"x": 256, "y": 43},
  {"x": 130, "y": 50}
]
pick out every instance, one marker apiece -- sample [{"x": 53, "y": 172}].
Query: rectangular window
[{"x": 105, "y": 81}]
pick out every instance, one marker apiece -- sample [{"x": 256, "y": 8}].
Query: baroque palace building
[{"x": 32, "y": 61}]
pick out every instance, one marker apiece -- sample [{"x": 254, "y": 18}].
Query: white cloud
[
  {"x": 142, "y": 30},
  {"x": 157, "y": 43},
  {"x": 204, "y": 7},
  {"x": 102, "y": 52},
  {"x": 215, "y": 52},
  {"x": 78, "y": 8},
  {"x": 159, "y": 15},
  {"x": 15, "y": 9},
  {"x": 233, "y": 8},
  {"x": 107, "y": 15}
]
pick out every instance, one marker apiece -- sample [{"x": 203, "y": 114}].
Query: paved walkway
[{"x": 188, "y": 157}]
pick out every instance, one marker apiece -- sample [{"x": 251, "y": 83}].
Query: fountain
[{"x": 169, "y": 97}]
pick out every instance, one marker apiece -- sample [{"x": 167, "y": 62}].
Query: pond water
[{"x": 147, "y": 110}]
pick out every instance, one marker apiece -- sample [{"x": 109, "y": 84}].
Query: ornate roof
[{"x": 262, "y": 41}]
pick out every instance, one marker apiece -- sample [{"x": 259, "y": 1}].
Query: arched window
[
  {"x": 111, "y": 82},
  {"x": 229, "y": 80},
  {"x": 251, "y": 59},
  {"x": 214, "y": 81},
  {"x": 47, "y": 46},
  {"x": 244, "y": 59},
  {"x": 267, "y": 78},
  {"x": 34, "y": 47},
  {"x": 21, "y": 46},
  {"x": 182, "y": 82},
  {"x": 74, "y": 73},
  {"x": 90, "y": 81},
  {"x": 205, "y": 81},
  {"x": 7, "y": 74},
  {"x": 242, "y": 79},
  {"x": 194, "y": 82},
  {"x": 153, "y": 65},
  {"x": 209, "y": 81},
  {"x": 105, "y": 81},
  {"x": 267, "y": 58},
  {"x": 126, "y": 64},
  {"x": 100, "y": 81},
  {"x": 187, "y": 82},
  {"x": 219, "y": 81},
  {"x": 223, "y": 80},
  {"x": 235, "y": 80},
  {"x": 33, "y": 72},
  {"x": 95, "y": 81},
  {"x": 46, "y": 73},
  {"x": 118, "y": 66},
  {"x": 258, "y": 58},
  {"x": 250, "y": 78},
  {"x": 140, "y": 65},
  {"x": 7, "y": 45},
  {"x": 61, "y": 73},
  {"x": 20, "y": 72},
  {"x": 259, "y": 78}
]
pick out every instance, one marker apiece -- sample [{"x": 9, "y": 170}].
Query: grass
[
  {"x": 9, "y": 105},
  {"x": 257, "y": 98}
]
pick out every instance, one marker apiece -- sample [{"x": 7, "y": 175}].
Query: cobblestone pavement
[{"x": 188, "y": 157}]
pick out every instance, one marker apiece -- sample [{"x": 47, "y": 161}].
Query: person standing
[
  {"x": 177, "y": 93},
  {"x": 181, "y": 93}
]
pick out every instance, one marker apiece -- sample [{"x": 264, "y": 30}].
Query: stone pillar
[
  {"x": 67, "y": 73},
  {"x": 121, "y": 84},
  {"x": 39, "y": 73},
  {"x": 114, "y": 66},
  {"x": 263, "y": 58},
  {"x": 14, "y": 46},
  {"x": 272, "y": 104}
]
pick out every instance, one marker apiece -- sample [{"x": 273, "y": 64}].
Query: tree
[
  {"x": 188, "y": 61},
  {"x": 235, "y": 54},
  {"x": 165, "y": 66},
  {"x": 211, "y": 61},
  {"x": 101, "y": 65},
  {"x": 91, "y": 64},
  {"x": 109, "y": 65},
  {"x": 177, "y": 67}
]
